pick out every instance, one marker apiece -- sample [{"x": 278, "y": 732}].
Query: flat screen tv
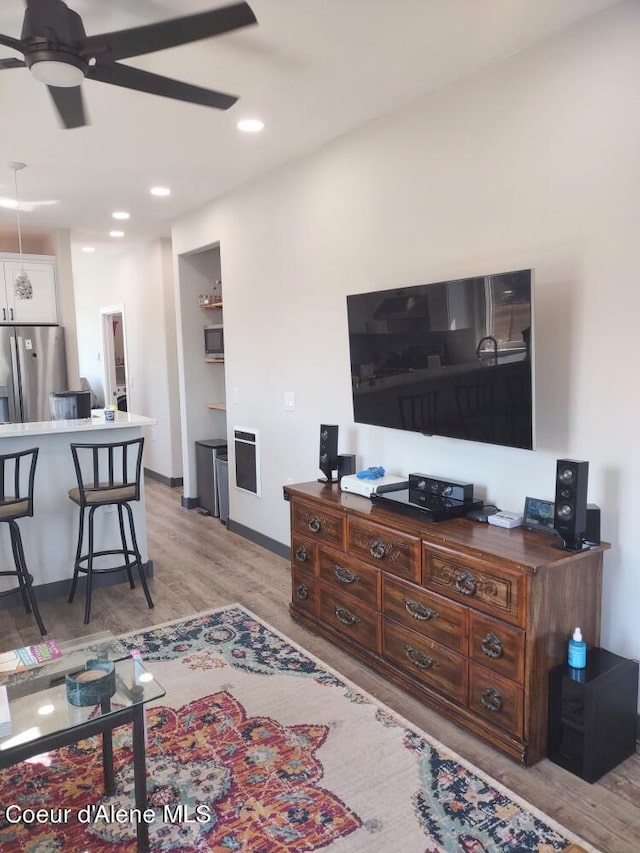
[{"x": 452, "y": 358}]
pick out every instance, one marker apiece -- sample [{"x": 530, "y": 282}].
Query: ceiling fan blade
[
  {"x": 151, "y": 37},
  {"x": 11, "y": 63},
  {"x": 9, "y": 41},
  {"x": 154, "y": 84},
  {"x": 70, "y": 106}
]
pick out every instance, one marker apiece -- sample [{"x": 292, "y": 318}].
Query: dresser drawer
[
  {"x": 427, "y": 661},
  {"x": 385, "y": 548},
  {"x": 496, "y": 699},
  {"x": 304, "y": 591},
  {"x": 350, "y": 618},
  {"x": 345, "y": 575},
  {"x": 497, "y": 646},
  {"x": 318, "y": 523},
  {"x": 425, "y": 612},
  {"x": 303, "y": 554},
  {"x": 473, "y": 581}
]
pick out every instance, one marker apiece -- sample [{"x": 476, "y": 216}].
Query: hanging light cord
[{"x": 15, "y": 178}]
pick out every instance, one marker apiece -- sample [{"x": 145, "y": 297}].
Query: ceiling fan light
[{"x": 55, "y": 73}]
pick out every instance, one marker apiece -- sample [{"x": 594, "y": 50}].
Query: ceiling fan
[{"x": 59, "y": 53}]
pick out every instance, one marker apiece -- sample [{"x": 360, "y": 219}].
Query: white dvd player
[{"x": 352, "y": 483}]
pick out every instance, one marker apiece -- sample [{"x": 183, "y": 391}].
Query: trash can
[
  {"x": 222, "y": 479},
  {"x": 207, "y": 452}
]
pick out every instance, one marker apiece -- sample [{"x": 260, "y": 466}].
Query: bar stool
[
  {"x": 17, "y": 474},
  {"x": 108, "y": 475}
]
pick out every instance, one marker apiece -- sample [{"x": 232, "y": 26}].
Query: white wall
[
  {"x": 140, "y": 280},
  {"x": 532, "y": 162},
  {"x": 66, "y": 303}
]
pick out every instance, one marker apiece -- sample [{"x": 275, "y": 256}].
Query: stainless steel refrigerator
[{"x": 33, "y": 364}]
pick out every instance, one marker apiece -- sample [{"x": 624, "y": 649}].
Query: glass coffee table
[{"x": 43, "y": 719}]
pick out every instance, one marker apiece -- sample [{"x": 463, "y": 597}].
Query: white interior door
[{"x": 114, "y": 348}]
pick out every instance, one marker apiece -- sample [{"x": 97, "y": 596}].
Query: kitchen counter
[
  {"x": 50, "y": 536},
  {"x": 96, "y": 422}
]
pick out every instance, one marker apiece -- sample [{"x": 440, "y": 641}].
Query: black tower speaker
[
  {"x": 328, "y": 462},
  {"x": 570, "y": 511}
]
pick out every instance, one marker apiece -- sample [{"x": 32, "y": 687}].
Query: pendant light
[{"x": 23, "y": 286}]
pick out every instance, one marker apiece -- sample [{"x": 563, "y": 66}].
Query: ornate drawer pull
[
  {"x": 491, "y": 699},
  {"x": 418, "y": 658},
  {"x": 302, "y": 555},
  {"x": 465, "y": 584},
  {"x": 492, "y": 646},
  {"x": 345, "y": 616},
  {"x": 419, "y": 611},
  {"x": 314, "y": 524},
  {"x": 302, "y": 592},
  {"x": 344, "y": 575},
  {"x": 378, "y": 549}
]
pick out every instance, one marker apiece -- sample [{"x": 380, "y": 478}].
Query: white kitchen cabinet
[{"x": 42, "y": 307}]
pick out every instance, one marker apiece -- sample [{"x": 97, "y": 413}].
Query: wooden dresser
[{"x": 468, "y": 617}]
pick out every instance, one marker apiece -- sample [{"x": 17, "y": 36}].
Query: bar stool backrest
[
  {"x": 17, "y": 475},
  {"x": 102, "y": 469}
]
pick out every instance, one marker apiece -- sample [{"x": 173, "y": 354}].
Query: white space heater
[{"x": 247, "y": 452}]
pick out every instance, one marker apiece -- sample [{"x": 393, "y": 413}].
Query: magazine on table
[{"x": 28, "y": 656}]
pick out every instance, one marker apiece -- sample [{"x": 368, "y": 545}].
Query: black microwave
[{"x": 214, "y": 341}]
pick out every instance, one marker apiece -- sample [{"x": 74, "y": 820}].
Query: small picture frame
[{"x": 538, "y": 515}]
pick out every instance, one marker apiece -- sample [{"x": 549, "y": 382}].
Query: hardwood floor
[{"x": 199, "y": 565}]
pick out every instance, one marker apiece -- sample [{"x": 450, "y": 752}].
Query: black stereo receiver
[
  {"x": 421, "y": 485},
  {"x": 426, "y": 507}
]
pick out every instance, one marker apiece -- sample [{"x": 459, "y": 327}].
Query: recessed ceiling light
[
  {"x": 251, "y": 125},
  {"x": 160, "y": 191},
  {"x": 121, "y": 214},
  {"x": 116, "y": 233},
  {"x": 88, "y": 249}
]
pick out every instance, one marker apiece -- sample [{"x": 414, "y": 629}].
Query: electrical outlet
[{"x": 289, "y": 401}]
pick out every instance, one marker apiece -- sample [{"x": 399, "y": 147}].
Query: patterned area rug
[{"x": 258, "y": 746}]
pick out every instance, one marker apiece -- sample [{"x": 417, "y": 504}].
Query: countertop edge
[{"x": 123, "y": 420}]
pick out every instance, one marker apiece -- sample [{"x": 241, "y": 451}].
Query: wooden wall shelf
[{"x": 222, "y": 407}]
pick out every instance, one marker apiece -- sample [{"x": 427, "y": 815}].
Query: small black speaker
[
  {"x": 592, "y": 530},
  {"x": 328, "y": 462},
  {"x": 346, "y": 464},
  {"x": 570, "y": 511}
]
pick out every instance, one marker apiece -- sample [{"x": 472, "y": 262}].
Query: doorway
[{"x": 114, "y": 348}]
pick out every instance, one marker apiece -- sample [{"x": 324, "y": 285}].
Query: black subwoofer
[
  {"x": 346, "y": 464},
  {"x": 570, "y": 511}
]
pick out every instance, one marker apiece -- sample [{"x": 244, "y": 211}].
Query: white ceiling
[{"x": 311, "y": 69}]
